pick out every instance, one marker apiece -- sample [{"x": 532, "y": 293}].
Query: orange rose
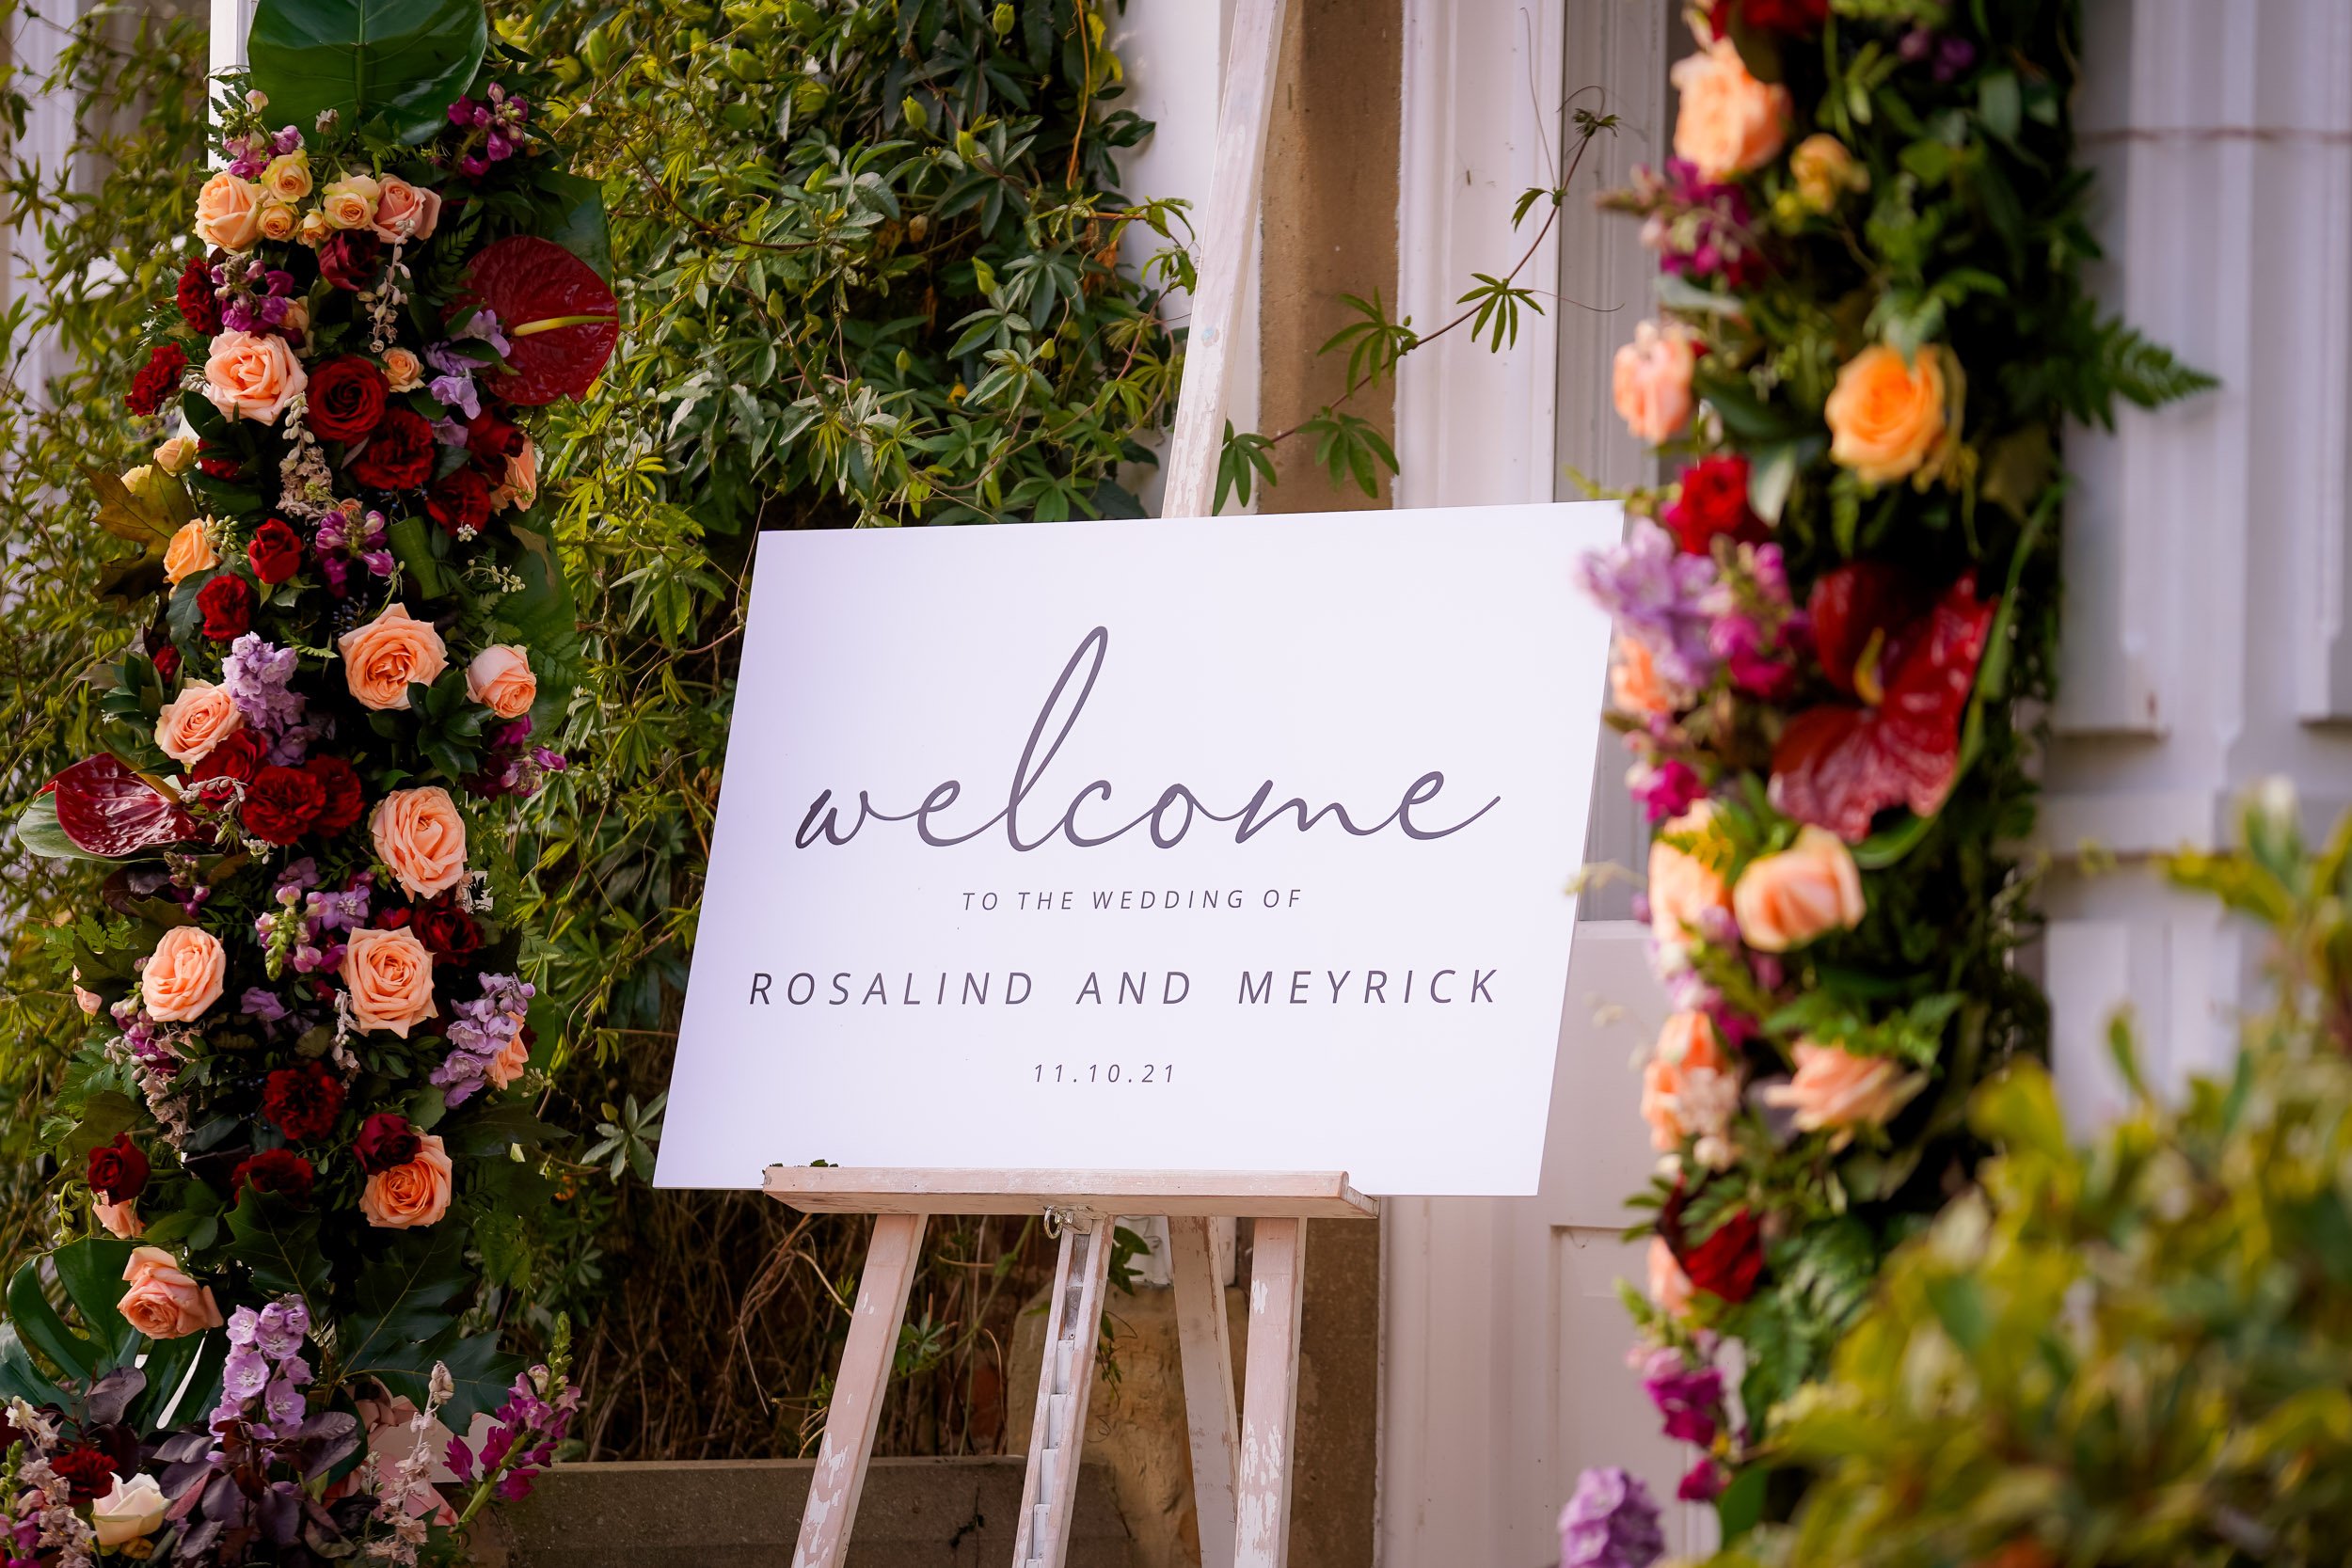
[
  {"x": 1669, "y": 1287},
  {"x": 389, "y": 976},
  {"x": 405, "y": 212},
  {"x": 121, "y": 1220},
  {"x": 1635, "y": 682},
  {"x": 500, "y": 679},
  {"x": 509, "y": 1063},
  {"x": 383, "y": 657},
  {"x": 229, "y": 212},
  {"x": 402, "y": 370},
  {"x": 1809, "y": 889},
  {"x": 1886, "y": 417},
  {"x": 184, "y": 975},
  {"x": 419, "y": 834},
  {"x": 1650, "y": 381},
  {"x": 190, "y": 550},
  {"x": 1682, "y": 886},
  {"x": 165, "y": 1302},
  {"x": 252, "y": 377},
  {"x": 192, "y": 724},
  {"x": 410, "y": 1194},
  {"x": 1834, "y": 1088},
  {"x": 1690, "y": 1088},
  {"x": 350, "y": 202},
  {"x": 1728, "y": 122},
  {"x": 279, "y": 221}
]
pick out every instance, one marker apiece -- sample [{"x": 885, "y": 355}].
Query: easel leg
[
  {"x": 850, "y": 1422},
  {"x": 1065, "y": 1380},
  {"x": 1208, "y": 1359},
  {"x": 1278, "y": 1277}
]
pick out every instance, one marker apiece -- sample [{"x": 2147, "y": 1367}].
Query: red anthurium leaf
[
  {"x": 105, "y": 809},
  {"x": 556, "y": 312},
  {"x": 1840, "y": 765}
]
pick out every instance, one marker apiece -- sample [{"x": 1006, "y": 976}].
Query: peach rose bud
[
  {"x": 1834, "y": 1088},
  {"x": 279, "y": 222},
  {"x": 315, "y": 229},
  {"x": 382, "y": 657},
  {"x": 192, "y": 724},
  {"x": 164, "y": 1301},
  {"x": 229, "y": 212},
  {"x": 191, "y": 547},
  {"x": 252, "y": 376},
  {"x": 1669, "y": 1287},
  {"x": 1682, "y": 886},
  {"x": 509, "y": 1063},
  {"x": 402, "y": 370},
  {"x": 1650, "y": 381},
  {"x": 1824, "y": 170},
  {"x": 1887, "y": 416},
  {"x": 350, "y": 202},
  {"x": 500, "y": 679},
  {"x": 520, "y": 486},
  {"x": 412, "y": 1194},
  {"x": 288, "y": 177},
  {"x": 1684, "y": 1085},
  {"x": 121, "y": 1220},
  {"x": 1634, "y": 683},
  {"x": 184, "y": 975},
  {"x": 419, "y": 834},
  {"x": 1805, "y": 891},
  {"x": 389, "y": 976},
  {"x": 1728, "y": 122},
  {"x": 175, "y": 456}
]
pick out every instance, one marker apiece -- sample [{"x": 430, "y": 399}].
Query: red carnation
[
  {"x": 166, "y": 661},
  {"x": 349, "y": 259},
  {"x": 276, "y": 552},
  {"x": 282, "y": 803},
  {"x": 460, "y": 501},
  {"x": 399, "y": 456},
  {"x": 275, "y": 1170},
  {"x": 88, "y": 1469},
  {"x": 198, "y": 301},
  {"x": 227, "y": 605},
  {"x": 157, "y": 380},
  {"x": 119, "y": 1170},
  {"x": 385, "y": 1142},
  {"x": 341, "y": 799},
  {"x": 347, "y": 396},
  {"x": 302, "y": 1101},
  {"x": 1714, "y": 502},
  {"x": 492, "y": 440},
  {"x": 238, "y": 757}
]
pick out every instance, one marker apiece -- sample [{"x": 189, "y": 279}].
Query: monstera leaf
[
  {"x": 106, "y": 1362},
  {"x": 406, "y": 60}
]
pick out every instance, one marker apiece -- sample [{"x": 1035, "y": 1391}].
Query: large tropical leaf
[
  {"x": 91, "y": 1272},
  {"x": 403, "y": 59},
  {"x": 402, "y": 1326},
  {"x": 279, "y": 1245}
]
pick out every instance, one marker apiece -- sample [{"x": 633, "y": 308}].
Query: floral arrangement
[
  {"x": 297, "y": 1143},
  {"x": 1872, "y": 327}
]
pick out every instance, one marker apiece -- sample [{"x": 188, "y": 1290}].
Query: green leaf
[
  {"x": 37, "y": 830},
  {"x": 549, "y": 623},
  {"x": 412, "y": 546},
  {"x": 279, "y": 1244},
  {"x": 569, "y": 210},
  {"x": 406, "y": 60}
]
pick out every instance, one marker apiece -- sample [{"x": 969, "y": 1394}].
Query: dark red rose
[
  {"x": 303, "y": 1101},
  {"x": 448, "y": 931},
  {"x": 198, "y": 302},
  {"x": 119, "y": 1170},
  {"x": 166, "y": 661},
  {"x": 1727, "y": 1264},
  {"x": 276, "y": 552},
  {"x": 347, "y": 396},
  {"x": 460, "y": 500},
  {"x": 227, "y": 605},
  {"x": 349, "y": 261},
  {"x": 341, "y": 799},
  {"x": 274, "y": 1170},
  {"x": 157, "y": 380},
  {"x": 1770, "y": 16},
  {"x": 492, "y": 440},
  {"x": 282, "y": 803},
  {"x": 238, "y": 757},
  {"x": 209, "y": 459},
  {"x": 88, "y": 1469},
  {"x": 385, "y": 1142},
  {"x": 399, "y": 456},
  {"x": 1713, "y": 503}
]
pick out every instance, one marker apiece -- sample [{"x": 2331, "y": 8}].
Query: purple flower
[
  {"x": 1689, "y": 1398},
  {"x": 279, "y": 1334},
  {"x": 263, "y": 1005},
  {"x": 284, "y": 1403},
  {"x": 456, "y": 391},
  {"x": 547, "y": 761},
  {"x": 257, "y": 677},
  {"x": 243, "y": 1374},
  {"x": 479, "y": 1032},
  {"x": 330, "y": 911},
  {"x": 286, "y": 141},
  {"x": 1666, "y": 789},
  {"x": 239, "y": 318},
  {"x": 1610, "y": 1523},
  {"x": 1705, "y": 1483},
  {"x": 482, "y": 326},
  {"x": 1659, "y": 595},
  {"x": 243, "y": 1325}
]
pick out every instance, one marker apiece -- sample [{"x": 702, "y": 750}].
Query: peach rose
[
  {"x": 1834, "y": 1088},
  {"x": 175, "y": 456},
  {"x": 164, "y": 1302},
  {"x": 121, "y": 1220},
  {"x": 183, "y": 975},
  {"x": 402, "y": 370},
  {"x": 1824, "y": 170},
  {"x": 383, "y": 657},
  {"x": 88, "y": 1001},
  {"x": 190, "y": 550},
  {"x": 288, "y": 177},
  {"x": 1669, "y": 1287},
  {"x": 500, "y": 679},
  {"x": 520, "y": 486},
  {"x": 1690, "y": 1088},
  {"x": 1682, "y": 886},
  {"x": 389, "y": 976},
  {"x": 192, "y": 724},
  {"x": 252, "y": 377},
  {"x": 1810, "y": 888},
  {"x": 315, "y": 229},
  {"x": 410, "y": 1194},
  {"x": 1885, "y": 417},
  {"x": 130, "y": 1510},
  {"x": 350, "y": 202},
  {"x": 229, "y": 212},
  {"x": 1635, "y": 684},
  {"x": 1728, "y": 122},
  {"x": 405, "y": 212},
  {"x": 1650, "y": 381},
  {"x": 419, "y": 834},
  {"x": 509, "y": 1063},
  {"x": 279, "y": 221}
]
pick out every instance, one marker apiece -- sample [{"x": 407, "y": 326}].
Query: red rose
[
  {"x": 208, "y": 458},
  {"x": 158, "y": 379},
  {"x": 118, "y": 1171},
  {"x": 238, "y": 757},
  {"x": 346, "y": 398},
  {"x": 166, "y": 661},
  {"x": 1714, "y": 502},
  {"x": 459, "y": 500},
  {"x": 274, "y": 1170},
  {"x": 399, "y": 456},
  {"x": 276, "y": 552},
  {"x": 90, "y": 1470},
  {"x": 447, "y": 931},
  {"x": 282, "y": 803},
  {"x": 341, "y": 799},
  {"x": 303, "y": 1101},
  {"x": 492, "y": 440},
  {"x": 198, "y": 301},
  {"x": 349, "y": 259},
  {"x": 227, "y": 605},
  {"x": 1727, "y": 1264},
  {"x": 385, "y": 1142},
  {"x": 1771, "y": 16}
]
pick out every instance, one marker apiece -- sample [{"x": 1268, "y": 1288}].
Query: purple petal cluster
[
  {"x": 265, "y": 1363},
  {"x": 258, "y": 675},
  {"x": 481, "y": 1029},
  {"x": 522, "y": 1436},
  {"x": 1662, "y": 596},
  {"x": 1610, "y": 1523}
]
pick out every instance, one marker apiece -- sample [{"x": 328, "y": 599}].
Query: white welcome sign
[{"x": 1240, "y": 844}]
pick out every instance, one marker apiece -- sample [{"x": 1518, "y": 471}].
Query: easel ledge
[{"x": 1215, "y": 1195}]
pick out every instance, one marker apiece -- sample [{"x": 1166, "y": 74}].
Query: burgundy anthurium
[
  {"x": 558, "y": 315},
  {"x": 1908, "y": 661},
  {"x": 106, "y": 809}
]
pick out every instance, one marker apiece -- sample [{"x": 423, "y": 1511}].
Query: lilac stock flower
[
  {"x": 263, "y": 1004},
  {"x": 1665, "y": 790},
  {"x": 1610, "y": 1523},
  {"x": 239, "y": 317},
  {"x": 479, "y": 1033},
  {"x": 456, "y": 390},
  {"x": 379, "y": 563},
  {"x": 482, "y": 327},
  {"x": 1657, "y": 595},
  {"x": 257, "y": 675},
  {"x": 288, "y": 139},
  {"x": 330, "y": 911}
]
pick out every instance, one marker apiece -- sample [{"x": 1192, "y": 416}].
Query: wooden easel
[{"x": 1241, "y": 1470}]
